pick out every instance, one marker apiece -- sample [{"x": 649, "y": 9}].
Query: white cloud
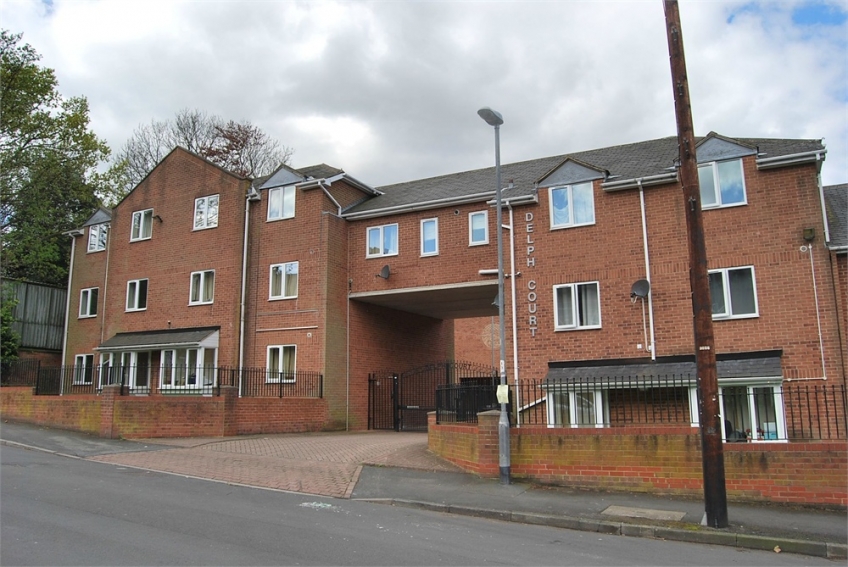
[{"x": 389, "y": 91}]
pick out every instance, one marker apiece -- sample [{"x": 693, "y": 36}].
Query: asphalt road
[{"x": 57, "y": 510}]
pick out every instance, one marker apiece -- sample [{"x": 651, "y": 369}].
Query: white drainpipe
[{"x": 653, "y": 345}]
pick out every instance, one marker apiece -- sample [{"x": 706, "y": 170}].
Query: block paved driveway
[{"x": 326, "y": 464}]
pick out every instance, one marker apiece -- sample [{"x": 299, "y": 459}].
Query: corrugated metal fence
[{"x": 39, "y": 314}]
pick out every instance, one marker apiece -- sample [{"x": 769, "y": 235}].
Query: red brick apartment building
[{"x": 200, "y": 278}]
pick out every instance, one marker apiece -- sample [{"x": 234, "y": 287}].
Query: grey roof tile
[
  {"x": 836, "y": 204},
  {"x": 627, "y": 161}
]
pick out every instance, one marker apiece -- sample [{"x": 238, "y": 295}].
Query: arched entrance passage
[{"x": 401, "y": 401}]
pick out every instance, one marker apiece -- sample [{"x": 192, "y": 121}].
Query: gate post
[{"x": 396, "y": 401}]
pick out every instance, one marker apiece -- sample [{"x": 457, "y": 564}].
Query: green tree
[
  {"x": 48, "y": 166},
  {"x": 9, "y": 339}
]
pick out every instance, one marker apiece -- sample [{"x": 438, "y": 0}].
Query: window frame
[
  {"x": 599, "y": 410},
  {"x": 181, "y": 377},
  {"x": 435, "y": 251},
  {"x": 485, "y": 240},
  {"x": 716, "y": 178},
  {"x": 83, "y": 373},
  {"x": 283, "y": 266},
  {"x": 146, "y": 219},
  {"x": 382, "y": 237},
  {"x": 137, "y": 283},
  {"x": 97, "y": 234},
  {"x": 728, "y": 296},
  {"x": 203, "y": 276},
  {"x": 280, "y": 363},
  {"x": 569, "y": 190},
  {"x": 88, "y": 305},
  {"x": 287, "y": 195},
  {"x": 204, "y": 203},
  {"x": 575, "y": 306}
]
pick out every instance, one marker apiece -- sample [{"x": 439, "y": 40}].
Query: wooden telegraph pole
[{"x": 715, "y": 495}]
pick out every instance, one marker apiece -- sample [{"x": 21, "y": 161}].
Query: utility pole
[{"x": 712, "y": 451}]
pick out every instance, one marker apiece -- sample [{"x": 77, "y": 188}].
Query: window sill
[
  {"x": 367, "y": 257},
  {"x": 470, "y": 244},
  {"x": 587, "y": 328},
  {"x": 199, "y": 228},
  {"x": 87, "y": 316},
  {"x": 735, "y": 317},
  {"x": 200, "y": 303},
  {"x": 730, "y": 206},
  {"x": 567, "y": 226},
  {"x": 278, "y": 218},
  {"x": 140, "y": 239}
]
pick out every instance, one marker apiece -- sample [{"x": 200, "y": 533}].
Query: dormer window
[
  {"x": 281, "y": 203},
  {"x": 572, "y": 205},
  {"x": 97, "y": 237},
  {"x": 722, "y": 184}
]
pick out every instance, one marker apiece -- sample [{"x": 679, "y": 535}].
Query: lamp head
[{"x": 492, "y": 117}]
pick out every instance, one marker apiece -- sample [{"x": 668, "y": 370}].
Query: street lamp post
[{"x": 495, "y": 119}]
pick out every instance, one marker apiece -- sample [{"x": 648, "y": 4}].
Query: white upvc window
[
  {"x": 734, "y": 293},
  {"x": 382, "y": 241},
  {"x": 137, "y": 295},
  {"x": 752, "y": 412},
  {"x": 142, "y": 225},
  {"x": 97, "y": 237},
  {"x": 722, "y": 184},
  {"x": 206, "y": 212},
  {"x": 83, "y": 368},
  {"x": 582, "y": 408},
  {"x": 577, "y": 306},
  {"x": 88, "y": 302},
  {"x": 430, "y": 237},
  {"x": 202, "y": 287},
  {"x": 187, "y": 368},
  {"x": 281, "y": 363},
  {"x": 572, "y": 205},
  {"x": 281, "y": 203},
  {"x": 283, "y": 284},
  {"x": 478, "y": 228}
]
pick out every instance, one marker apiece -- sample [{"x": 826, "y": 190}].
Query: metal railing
[
  {"x": 261, "y": 383},
  {"x": 21, "y": 372},
  {"x": 751, "y": 412},
  {"x": 149, "y": 380}
]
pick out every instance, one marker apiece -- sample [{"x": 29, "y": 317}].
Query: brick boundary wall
[
  {"x": 660, "y": 460},
  {"x": 114, "y": 416}
]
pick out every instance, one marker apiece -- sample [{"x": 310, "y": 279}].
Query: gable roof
[
  {"x": 101, "y": 215},
  {"x": 622, "y": 165},
  {"x": 836, "y": 205}
]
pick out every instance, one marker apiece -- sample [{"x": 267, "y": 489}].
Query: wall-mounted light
[{"x": 809, "y": 234}]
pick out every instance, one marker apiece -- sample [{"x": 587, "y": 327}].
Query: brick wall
[
  {"x": 175, "y": 250},
  {"x": 662, "y": 460},
  {"x": 114, "y": 416}
]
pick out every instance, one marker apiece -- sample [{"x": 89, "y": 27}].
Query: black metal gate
[{"x": 401, "y": 401}]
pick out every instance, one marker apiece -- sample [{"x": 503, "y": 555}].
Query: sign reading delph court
[{"x": 531, "y": 284}]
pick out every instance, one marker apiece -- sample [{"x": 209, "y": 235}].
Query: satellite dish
[
  {"x": 385, "y": 272},
  {"x": 640, "y": 288}
]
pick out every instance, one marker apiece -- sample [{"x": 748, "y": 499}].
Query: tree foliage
[
  {"x": 10, "y": 340},
  {"x": 48, "y": 160},
  {"x": 240, "y": 148}
]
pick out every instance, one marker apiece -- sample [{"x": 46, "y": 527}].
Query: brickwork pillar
[
  {"x": 230, "y": 419},
  {"x": 488, "y": 443},
  {"x": 107, "y": 409}
]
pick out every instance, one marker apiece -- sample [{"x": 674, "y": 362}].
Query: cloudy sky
[{"x": 389, "y": 91}]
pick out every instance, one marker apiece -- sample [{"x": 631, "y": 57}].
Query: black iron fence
[
  {"x": 149, "y": 380},
  {"x": 21, "y": 372},
  {"x": 792, "y": 411}
]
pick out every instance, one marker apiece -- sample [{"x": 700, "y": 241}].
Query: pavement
[{"x": 398, "y": 469}]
